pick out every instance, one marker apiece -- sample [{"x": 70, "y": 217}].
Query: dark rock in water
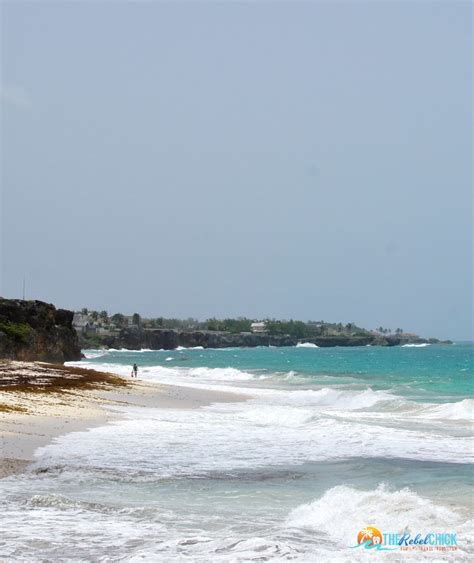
[
  {"x": 34, "y": 330},
  {"x": 136, "y": 338},
  {"x": 330, "y": 341}
]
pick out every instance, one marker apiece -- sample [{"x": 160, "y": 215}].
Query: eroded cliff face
[
  {"x": 135, "y": 338},
  {"x": 34, "y": 330}
]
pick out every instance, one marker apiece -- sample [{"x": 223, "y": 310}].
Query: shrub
[{"x": 18, "y": 331}]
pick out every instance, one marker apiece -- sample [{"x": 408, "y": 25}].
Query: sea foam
[{"x": 342, "y": 511}]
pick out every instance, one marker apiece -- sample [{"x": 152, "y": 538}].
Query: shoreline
[
  {"x": 34, "y": 413},
  {"x": 324, "y": 335}
]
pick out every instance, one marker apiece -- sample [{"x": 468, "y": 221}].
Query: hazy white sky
[{"x": 297, "y": 160}]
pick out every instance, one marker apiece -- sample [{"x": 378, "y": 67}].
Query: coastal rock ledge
[
  {"x": 136, "y": 338},
  {"x": 34, "y": 330}
]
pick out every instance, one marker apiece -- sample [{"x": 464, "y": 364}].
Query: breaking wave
[{"x": 344, "y": 510}]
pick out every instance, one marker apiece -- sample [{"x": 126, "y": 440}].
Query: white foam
[
  {"x": 293, "y": 426},
  {"x": 290, "y": 375},
  {"x": 220, "y": 374},
  {"x": 82, "y": 531},
  {"x": 274, "y": 428},
  {"x": 229, "y": 549},
  {"x": 462, "y": 410},
  {"x": 306, "y": 345},
  {"x": 202, "y": 377},
  {"x": 341, "y": 399},
  {"x": 364, "y": 405},
  {"x": 423, "y": 345},
  {"x": 130, "y": 351},
  {"x": 342, "y": 511},
  {"x": 460, "y": 414},
  {"x": 93, "y": 354}
]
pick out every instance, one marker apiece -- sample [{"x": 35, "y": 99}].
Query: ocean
[{"x": 332, "y": 440}]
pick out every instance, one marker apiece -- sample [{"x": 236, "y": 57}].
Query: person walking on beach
[{"x": 134, "y": 370}]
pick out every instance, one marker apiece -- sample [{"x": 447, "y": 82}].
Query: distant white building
[
  {"x": 258, "y": 327},
  {"x": 80, "y": 322}
]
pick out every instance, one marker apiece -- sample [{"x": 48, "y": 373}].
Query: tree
[
  {"x": 213, "y": 324},
  {"x": 84, "y": 311},
  {"x": 94, "y": 315},
  {"x": 136, "y": 319},
  {"x": 118, "y": 319},
  {"x": 236, "y": 325},
  {"x": 104, "y": 317},
  {"x": 296, "y": 329}
]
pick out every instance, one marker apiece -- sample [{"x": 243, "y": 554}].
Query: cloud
[{"x": 15, "y": 96}]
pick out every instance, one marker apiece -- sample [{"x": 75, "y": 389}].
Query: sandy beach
[
  {"x": 99, "y": 466},
  {"x": 39, "y": 402}
]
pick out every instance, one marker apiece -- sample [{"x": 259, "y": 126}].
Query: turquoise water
[
  {"x": 432, "y": 373},
  {"x": 330, "y": 441}
]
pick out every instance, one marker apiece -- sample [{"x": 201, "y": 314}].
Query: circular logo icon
[{"x": 371, "y": 535}]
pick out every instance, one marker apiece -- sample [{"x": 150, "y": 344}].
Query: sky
[{"x": 291, "y": 160}]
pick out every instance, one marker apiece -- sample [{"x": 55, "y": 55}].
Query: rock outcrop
[
  {"x": 34, "y": 330},
  {"x": 136, "y": 338}
]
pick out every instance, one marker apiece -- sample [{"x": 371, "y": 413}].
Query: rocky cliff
[
  {"x": 33, "y": 330},
  {"x": 135, "y": 338}
]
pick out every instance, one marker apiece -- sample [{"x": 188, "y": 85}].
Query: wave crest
[{"x": 343, "y": 510}]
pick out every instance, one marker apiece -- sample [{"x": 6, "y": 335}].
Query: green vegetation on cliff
[
  {"x": 133, "y": 331},
  {"x": 273, "y": 327},
  {"x": 34, "y": 330},
  {"x": 17, "y": 331}
]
